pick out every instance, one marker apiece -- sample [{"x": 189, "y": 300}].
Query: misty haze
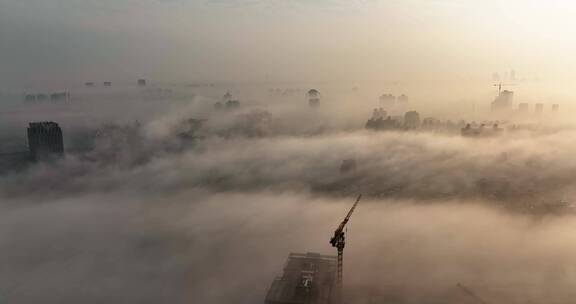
[{"x": 287, "y": 152}]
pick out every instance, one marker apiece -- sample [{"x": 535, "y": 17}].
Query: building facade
[{"x": 45, "y": 141}]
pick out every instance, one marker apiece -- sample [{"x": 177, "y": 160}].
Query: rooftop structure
[
  {"x": 313, "y": 97},
  {"x": 308, "y": 278}
]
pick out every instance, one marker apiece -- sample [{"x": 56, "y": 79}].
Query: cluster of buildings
[
  {"x": 481, "y": 131},
  {"x": 503, "y": 104},
  {"x": 285, "y": 92},
  {"x": 140, "y": 82},
  {"x": 92, "y": 84},
  {"x": 389, "y": 100},
  {"x": 54, "y": 97},
  {"x": 227, "y": 103},
  {"x": 380, "y": 120}
]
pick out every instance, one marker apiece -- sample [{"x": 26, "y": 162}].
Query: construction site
[{"x": 314, "y": 278}]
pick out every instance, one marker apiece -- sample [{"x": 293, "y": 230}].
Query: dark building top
[
  {"x": 308, "y": 278},
  {"x": 45, "y": 140},
  {"x": 411, "y": 120}
]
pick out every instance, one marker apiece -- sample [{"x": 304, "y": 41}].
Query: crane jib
[{"x": 347, "y": 218}]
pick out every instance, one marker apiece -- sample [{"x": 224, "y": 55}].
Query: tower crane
[{"x": 338, "y": 242}]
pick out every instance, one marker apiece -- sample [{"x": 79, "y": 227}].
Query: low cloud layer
[
  {"x": 199, "y": 206},
  {"x": 518, "y": 167},
  {"x": 194, "y": 246}
]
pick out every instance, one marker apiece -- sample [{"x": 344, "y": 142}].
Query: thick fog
[
  {"x": 196, "y": 156},
  {"x": 149, "y": 206}
]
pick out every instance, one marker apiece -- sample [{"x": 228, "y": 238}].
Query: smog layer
[
  {"x": 194, "y": 204},
  {"x": 177, "y": 151}
]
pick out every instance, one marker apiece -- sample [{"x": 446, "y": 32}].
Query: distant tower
[
  {"x": 538, "y": 108},
  {"x": 387, "y": 101},
  {"x": 60, "y": 96},
  {"x": 412, "y": 120},
  {"x": 313, "y": 98},
  {"x": 45, "y": 141},
  {"x": 523, "y": 107},
  {"x": 403, "y": 99},
  {"x": 142, "y": 82},
  {"x": 495, "y": 77},
  {"x": 227, "y": 97},
  {"x": 555, "y": 107}
]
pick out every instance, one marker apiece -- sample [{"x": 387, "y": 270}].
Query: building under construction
[
  {"x": 313, "y": 278},
  {"x": 308, "y": 278}
]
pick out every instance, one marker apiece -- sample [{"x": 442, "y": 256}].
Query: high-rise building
[
  {"x": 555, "y": 107},
  {"x": 412, "y": 120},
  {"x": 403, "y": 99},
  {"x": 495, "y": 77},
  {"x": 45, "y": 141},
  {"x": 308, "y": 278},
  {"x": 387, "y": 101},
  {"x": 503, "y": 101},
  {"x": 523, "y": 107},
  {"x": 60, "y": 97},
  {"x": 538, "y": 108},
  {"x": 142, "y": 82}
]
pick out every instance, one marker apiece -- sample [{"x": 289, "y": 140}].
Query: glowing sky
[{"x": 251, "y": 40}]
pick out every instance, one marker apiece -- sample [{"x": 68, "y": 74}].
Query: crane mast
[{"x": 338, "y": 241}]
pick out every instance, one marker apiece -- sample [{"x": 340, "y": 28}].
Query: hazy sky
[{"x": 253, "y": 40}]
